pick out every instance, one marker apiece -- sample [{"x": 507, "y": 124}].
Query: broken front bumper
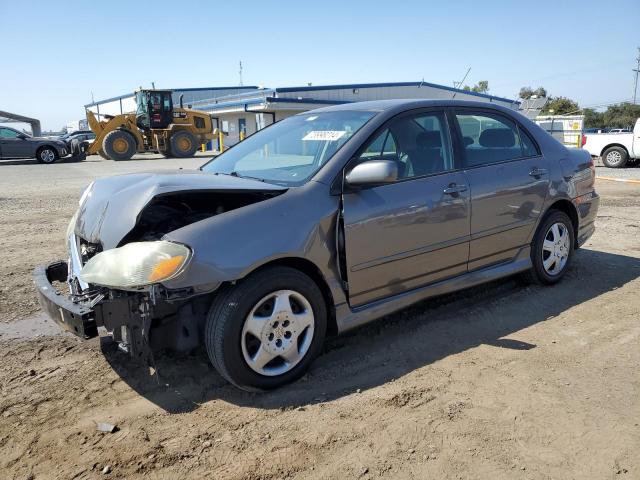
[
  {"x": 76, "y": 317},
  {"x": 126, "y": 316}
]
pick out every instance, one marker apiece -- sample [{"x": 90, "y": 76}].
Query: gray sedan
[
  {"x": 16, "y": 144},
  {"x": 320, "y": 223}
]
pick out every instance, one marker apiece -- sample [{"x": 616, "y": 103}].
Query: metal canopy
[{"x": 7, "y": 117}]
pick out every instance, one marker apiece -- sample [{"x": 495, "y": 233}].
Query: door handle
[
  {"x": 538, "y": 172},
  {"x": 453, "y": 189}
]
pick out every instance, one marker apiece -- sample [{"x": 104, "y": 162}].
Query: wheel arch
[
  {"x": 312, "y": 271},
  {"x": 569, "y": 208},
  {"x": 619, "y": 145},
  {"x": 47, "y": 145}
]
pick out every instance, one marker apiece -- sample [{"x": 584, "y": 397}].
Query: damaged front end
[
  {"x": 127, "y": 316},
  {"x": 121, "y": 222}
]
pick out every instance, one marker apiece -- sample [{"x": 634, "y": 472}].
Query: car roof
[{"x": 407, "y": 104}]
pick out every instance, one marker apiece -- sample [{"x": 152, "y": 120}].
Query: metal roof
[
  {"x": 175, "y": 90},
  {"x": 351, "y": 86}
]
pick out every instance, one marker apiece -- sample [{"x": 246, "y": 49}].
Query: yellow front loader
[{"x": 155, "y": 127}]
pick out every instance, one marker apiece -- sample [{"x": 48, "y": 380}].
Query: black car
[{"x": 17, "y": 144}]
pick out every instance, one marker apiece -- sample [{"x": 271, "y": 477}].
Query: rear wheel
[
  {"x": 103, "y": 155},
  {"x": 183, "y": 144},
  {"x": 552, "y": 249},
  {"x": 265, "y": 331},
  {"x": 119, "y": 145},
  {"x": 615, "y": 157},
  {"x": 47, "y": 154}
]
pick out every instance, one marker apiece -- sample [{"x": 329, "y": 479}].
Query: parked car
[
  {"x": 79, "y": 136},
  {"x": 615, "y": 148},
  {"x": 80, "y": 143},
  {"x": 16, "y": 144},
  {"x": 315, "y": 225}
]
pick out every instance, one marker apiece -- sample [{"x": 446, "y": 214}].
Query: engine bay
[{"x": 169, "y": 212}]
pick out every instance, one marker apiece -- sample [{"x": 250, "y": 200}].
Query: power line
[{"x": 635, "y": 84}]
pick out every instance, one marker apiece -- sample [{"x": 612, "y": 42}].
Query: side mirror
[
  {"x": 373, "y": 172},
  {"x": 22, "y": 136}
]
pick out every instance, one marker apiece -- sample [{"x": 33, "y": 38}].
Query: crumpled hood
[{"x": 112, "y": 207}]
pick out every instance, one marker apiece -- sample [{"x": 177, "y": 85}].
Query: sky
[{"x": 57, "y": 53}]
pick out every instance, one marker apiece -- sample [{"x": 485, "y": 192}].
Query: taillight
[{"x": 584, "y": 140}]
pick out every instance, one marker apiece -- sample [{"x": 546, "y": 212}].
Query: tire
[
  {"x": 183, "y": 144},
  {"x": 297, "y": 331},
  {"x": 47, "y": 154},
  {"x": 615, "y": 157},
  {"x": 167, "y": 153},
  {"x": 103, "y": 155},
  {"x": 119, "y": 145},
  {"x": 546, "y": 270}
]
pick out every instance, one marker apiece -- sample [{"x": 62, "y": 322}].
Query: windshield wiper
[{"x": 236, "y": 174}]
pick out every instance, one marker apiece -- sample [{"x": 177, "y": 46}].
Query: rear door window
[{"x": 489, "y": 138}]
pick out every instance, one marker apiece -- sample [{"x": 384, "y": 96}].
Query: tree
[
  {"x": 593, "y": 119},
  {"x": 481, "y": 87},
  {"x": 621, "y": 115},
  {"x": 560, "y": 106},
  {"x": 526, "y": 93},
  {"x": 540, "y": 92}
]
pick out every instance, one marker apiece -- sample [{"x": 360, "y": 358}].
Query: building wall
[{"x": 231, "y": 122}]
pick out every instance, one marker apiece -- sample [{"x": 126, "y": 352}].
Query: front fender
[{"x": 300, "y": 223}]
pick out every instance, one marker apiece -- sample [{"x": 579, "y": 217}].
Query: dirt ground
[{"x": 502, "y": 381}]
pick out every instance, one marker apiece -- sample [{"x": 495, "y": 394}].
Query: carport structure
[{"x": 7, "y": 117}]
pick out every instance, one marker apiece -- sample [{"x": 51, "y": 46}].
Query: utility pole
[
  {"x": 240, "y": 72},
  {"x": 637, "y": 71}
]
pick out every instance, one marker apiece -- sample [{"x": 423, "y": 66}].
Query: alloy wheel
[
  {"x": 556, "y": 248},
  {"x": 47, "y": 155},
  {"x": 614, "y": 157},
  {"x": 277, "y": 333}
]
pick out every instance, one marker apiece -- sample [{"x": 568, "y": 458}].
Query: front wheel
[
  {"x": 552, "y": 249},
  {"x": 183, "y": 144},
  {"x": 615, "y": 157},
  {"x": 119, "y": 145},
  {"x": 47, "y": 155},
  {"x": 265, "y": 331}
]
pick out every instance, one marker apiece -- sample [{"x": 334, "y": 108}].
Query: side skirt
[{"x": 348, "y": 318}]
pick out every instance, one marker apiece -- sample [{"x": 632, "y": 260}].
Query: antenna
[
  {"x": 240, "y": 72},
  {"x": 459, "y": 84},
  {"x": 153, "y": 85},
  {"x": 635, "y": 83}
]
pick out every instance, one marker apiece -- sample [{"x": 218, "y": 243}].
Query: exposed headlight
[
  {"x": 136, "y": 264},
  {"x": 85, "y": 194}
]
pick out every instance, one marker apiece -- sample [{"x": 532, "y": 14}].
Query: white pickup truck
[{"x": 616, "y": 149}]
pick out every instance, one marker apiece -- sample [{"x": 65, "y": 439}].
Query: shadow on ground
[
  {"x": 33, "y": 161},
  {"x": 394, "y": 345}
]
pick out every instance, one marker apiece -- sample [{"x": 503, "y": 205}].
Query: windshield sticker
[{"x": 324, "y": 135}]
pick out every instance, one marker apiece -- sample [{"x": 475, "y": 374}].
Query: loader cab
[{"x": 154, "y": 109}]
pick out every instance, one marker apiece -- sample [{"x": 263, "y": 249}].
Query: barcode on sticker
[{"x": 324, "y": 135}]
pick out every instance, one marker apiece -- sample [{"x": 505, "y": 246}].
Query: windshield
[{"x": 292, "y": 150}]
